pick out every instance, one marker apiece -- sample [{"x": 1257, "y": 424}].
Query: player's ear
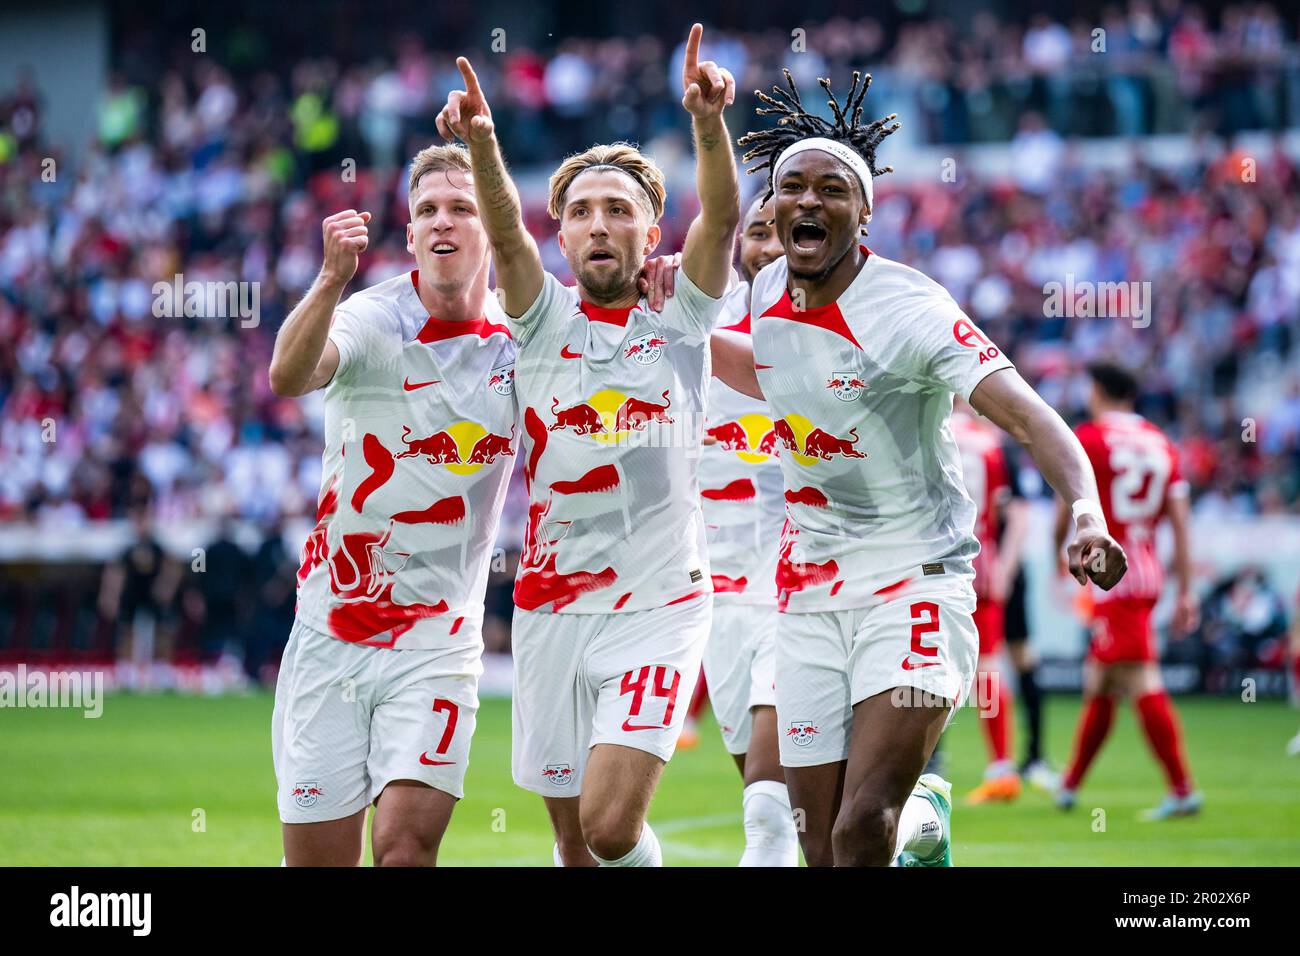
[
  {"x": 559, "y": 237},
  {"x": 652, "y": 237},
  {"x": 410, "y": 238}
]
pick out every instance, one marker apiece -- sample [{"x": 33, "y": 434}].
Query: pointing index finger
[
  {"x": 467, "y": 72},
  {"x": 692, "y": 65}
]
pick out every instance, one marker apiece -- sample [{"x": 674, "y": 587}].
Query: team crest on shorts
[
  {"x": 502, "y": 379},
  {"x": 306, "y": 794},
  {"x": 846, "y": 386},
  {"x": 645, "y": 349},
  {"x": 801, "y": 732},
  {"x": 558, "y": 774}
]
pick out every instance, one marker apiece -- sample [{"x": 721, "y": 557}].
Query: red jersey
[
  {"x": 1137, "y": 473},
  {"x": 987, "y": 477}
]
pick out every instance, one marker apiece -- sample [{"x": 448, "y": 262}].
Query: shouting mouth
[
  {"x": 808, "y": 236},
  {"x": 601, "y": 255},
  {"x": 443, "y": 248}
]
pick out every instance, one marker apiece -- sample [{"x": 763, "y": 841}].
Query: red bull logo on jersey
[
  {"x": 610, "y": 416},
  {"x": 502, "y": 379},
  {"x": 802, "y": 732},
  {"x": 645, "y": 349},
  {"x": 750, "y": 437},
  {"x": 463, "y": 447},
  {"x": 558, "y": 774},
  {"x": 306, "y": 794},
  {"x": 809, "y": 443},
  {"x": 439, "y": 448},
  {"x": 846, "y": 386}
]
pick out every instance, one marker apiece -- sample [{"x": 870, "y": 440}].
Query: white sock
[
  {"x": 919, "y": 828},
  {"x": 555, "y": 855},
  {"x": 645, "y": 853},
  {"x": 770, "y": 838}
]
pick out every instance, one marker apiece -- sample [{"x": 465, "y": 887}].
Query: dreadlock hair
[{"x": 797, "y": 124}]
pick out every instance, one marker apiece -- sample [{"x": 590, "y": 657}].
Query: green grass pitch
[{"x": 132, "y": 788}]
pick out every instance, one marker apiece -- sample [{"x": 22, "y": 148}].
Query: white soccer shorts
[
  {"x": 587, "y": 679},
  {"x": 921, "y": 637},
  {"x": 740, "y": 668},
  {"x": 349, "y": 720}
]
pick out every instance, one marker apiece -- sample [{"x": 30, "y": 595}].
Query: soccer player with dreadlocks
[{"x": 859, "y": 358}]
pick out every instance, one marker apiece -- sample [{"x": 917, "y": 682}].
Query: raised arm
[
  {"x": 707, "y": 90},
  {"x": 514, "y": 252},
  {"x": 304, "y": 358},
  {"x": 1005, "y": 399}
]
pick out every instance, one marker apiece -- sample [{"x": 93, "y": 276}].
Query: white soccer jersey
[
  {"x": 741, "y": 486},
  {"x": 613, "y": 403},
  {"x": 862, "y": 390},
  {"x": 420, "y": 437}
]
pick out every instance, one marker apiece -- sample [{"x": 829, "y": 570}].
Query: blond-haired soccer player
[
  {"x": 378, "y": 688},
  {"x": 614, "y": 597}
]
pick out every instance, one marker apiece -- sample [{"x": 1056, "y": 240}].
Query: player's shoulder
[
  {"x": 894, "y": 285},
  {"x": 385, "y": 302}
]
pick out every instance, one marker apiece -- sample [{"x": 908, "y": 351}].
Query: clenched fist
[
  {"x": 1095, "y": 554},
  {"x": 346, "y": 236}
]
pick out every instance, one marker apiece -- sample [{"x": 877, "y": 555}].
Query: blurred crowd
[{"x": 108, "y": 409}]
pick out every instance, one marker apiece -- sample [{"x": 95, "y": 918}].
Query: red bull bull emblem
[
  {"x": 306, "y": 794},
  {"x": 558, "y": 774},
  {"x": 731, "y": 436},
  {"x": 645, "y": 349},
  {"x": 439, "y": 448},
  {"x": 502, "y": 379},
  {"x": 846, "y": 386},
  {"x": 634, "y": 414},
  {"x": 487, "y": 448},
  {"x": 582, "y": 418},
  {"x": 802, "y": 732},
  {"x": 822, "y": 444}
]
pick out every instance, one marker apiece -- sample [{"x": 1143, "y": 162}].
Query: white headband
[{"x": 844, "y": 154}]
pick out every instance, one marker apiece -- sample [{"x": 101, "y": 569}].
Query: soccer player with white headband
[{"x": 859, "y": 358}]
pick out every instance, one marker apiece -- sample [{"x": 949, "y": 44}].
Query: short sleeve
[
  {"x": 690, "y": 310},
  {"x": 955, "y": 354},
  {"x": 554, "y": 296},
  {"x": 358, "y": 335}
]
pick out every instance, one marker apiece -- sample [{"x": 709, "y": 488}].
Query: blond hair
[
  {"x": 621, "y": 156},
  {"x": 437, "y": 159}
]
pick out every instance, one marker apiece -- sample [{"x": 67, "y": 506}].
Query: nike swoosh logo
[
  {"x": 628, "y": 725},
  {"x": 565, "y": 353},
  {"x": 412, "y": 386},
  {"x": 424, "y": 759},
  {"x": 909, "y": 666}
]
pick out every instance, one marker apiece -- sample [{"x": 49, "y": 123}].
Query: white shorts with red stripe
[
  {"x": 919, "y": 636},
  {"x": 587, "y": 679},
  {"x": 350, "y": 719},
  {"x": 740, "y": 668}
]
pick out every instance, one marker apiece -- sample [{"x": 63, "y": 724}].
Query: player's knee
[
  {"x": 608, "y": 834},
  {"x": 866, "y": 827},
  {"x": 408, "y": 848},
  {"x": 767, "y": 816}
]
